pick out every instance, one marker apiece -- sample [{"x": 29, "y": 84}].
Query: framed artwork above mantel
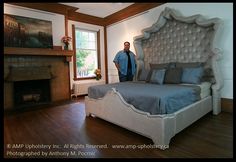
[{"x": 25, "y": 32}]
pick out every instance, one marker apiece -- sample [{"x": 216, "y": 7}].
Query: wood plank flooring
[{"x": 63, "y": 131}]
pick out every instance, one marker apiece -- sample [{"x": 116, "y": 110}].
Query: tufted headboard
[{"x": 175, "y": 38}]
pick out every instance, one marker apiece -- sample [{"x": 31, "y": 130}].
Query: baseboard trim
[{"x": 227, "y": 105}]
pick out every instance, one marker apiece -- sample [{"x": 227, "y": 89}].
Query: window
[{"x": 87, "y": 55}]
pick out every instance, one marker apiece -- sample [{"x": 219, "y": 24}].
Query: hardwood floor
[{"x": 64, "y": 131}]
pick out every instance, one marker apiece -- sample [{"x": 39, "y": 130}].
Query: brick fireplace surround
[{"x": 59, "y": 68}]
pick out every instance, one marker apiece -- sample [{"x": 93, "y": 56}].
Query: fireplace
[
  {"x": 31, "y": 93},
  {"x": 31, "y": 85},
  {"x": 23, "y": 68}
]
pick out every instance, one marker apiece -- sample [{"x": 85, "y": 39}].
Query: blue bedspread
[{"x": 152, "y": 98}]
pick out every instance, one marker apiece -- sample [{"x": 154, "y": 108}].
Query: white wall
[
  {"x": 102, "y": 55},
  {"x": 58, "y": 21},
  {"x": 58, "y": 30},
  {"x": 126, "y": 30}
]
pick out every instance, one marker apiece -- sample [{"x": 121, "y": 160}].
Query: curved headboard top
[{"x": 175, "y": 38}]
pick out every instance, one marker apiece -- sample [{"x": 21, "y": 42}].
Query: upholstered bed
[{"x": 176, "y": 42}]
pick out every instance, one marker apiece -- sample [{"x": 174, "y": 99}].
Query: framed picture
[{"x": 27, "y": 32}]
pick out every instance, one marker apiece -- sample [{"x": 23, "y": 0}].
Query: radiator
[{"x": 81, "y": 88}]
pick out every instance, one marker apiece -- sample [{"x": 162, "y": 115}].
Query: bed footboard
[
  {"x": 113, "y": 108},
  {"x": 160, "y": 128}
]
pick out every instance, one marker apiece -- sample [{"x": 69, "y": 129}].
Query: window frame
[{"x": 74, "y": 56}]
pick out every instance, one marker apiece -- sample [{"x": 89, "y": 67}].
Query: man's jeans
[{"x": 128, "y": 77}]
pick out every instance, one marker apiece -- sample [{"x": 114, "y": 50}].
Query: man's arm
[
  {"x": 116, "y": 61},
  {"x": 117, "y": 66}
]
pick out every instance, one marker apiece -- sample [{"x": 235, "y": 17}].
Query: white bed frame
[{"x": 161, "y": 128}]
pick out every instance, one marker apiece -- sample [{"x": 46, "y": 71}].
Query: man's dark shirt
[{"x": 129, "y": 61}]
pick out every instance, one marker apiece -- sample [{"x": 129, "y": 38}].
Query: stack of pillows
[{"x": 174, "y": 73}]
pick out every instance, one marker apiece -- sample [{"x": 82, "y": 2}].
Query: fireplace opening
[{"x": 31, "y": 93}]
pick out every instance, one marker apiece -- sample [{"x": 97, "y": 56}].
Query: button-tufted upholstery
[
  {"x": 174, "y": 38},
  {"x": 178, "y": 42}
]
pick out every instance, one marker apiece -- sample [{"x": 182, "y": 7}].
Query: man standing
[{"x": 125, "y": 63}]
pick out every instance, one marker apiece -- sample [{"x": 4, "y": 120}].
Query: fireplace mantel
[{"x": 37, "y": 51}]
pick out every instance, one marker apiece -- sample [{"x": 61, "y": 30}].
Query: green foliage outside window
[
  {"x": 80, "y": 58},
  {"x": 86, "y": 53}
]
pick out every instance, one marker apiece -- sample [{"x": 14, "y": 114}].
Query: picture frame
[{"x": 25, "y": 32}]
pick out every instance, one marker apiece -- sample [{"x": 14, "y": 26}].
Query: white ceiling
[{"x": 98, "y": 9}]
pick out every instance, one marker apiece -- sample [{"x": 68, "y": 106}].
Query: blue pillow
[
  {"x": 192, "y": 75},
  {"x": 158, "y": 76},
  {"x": 143, "y": 75}
]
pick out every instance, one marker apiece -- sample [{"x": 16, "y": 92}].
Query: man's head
[{"x": 126, "y": 46}]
